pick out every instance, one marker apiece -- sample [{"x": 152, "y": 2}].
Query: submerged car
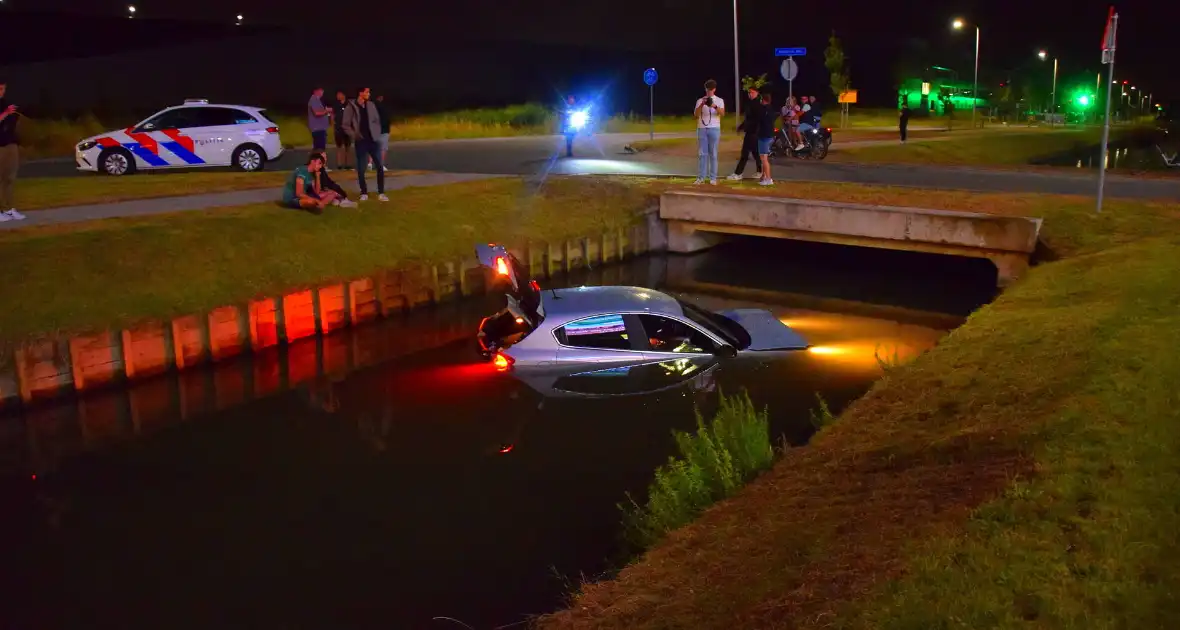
[{"x": 614, "y": 324}]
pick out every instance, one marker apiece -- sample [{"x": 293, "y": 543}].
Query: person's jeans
[
  {"x": 319, "y": 140},
  {"x": 9, "y": 162},
  {"x": 749, "y": 149},
  {"x": 366, "y": 150},
  {"x": 707, "y": 140}
]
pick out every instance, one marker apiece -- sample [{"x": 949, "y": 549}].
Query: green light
[{"x": 1083, "y": 100}]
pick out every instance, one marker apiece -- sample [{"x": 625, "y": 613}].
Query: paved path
[{"x": 144, "y": 207}]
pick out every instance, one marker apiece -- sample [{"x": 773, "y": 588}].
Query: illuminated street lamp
[
  {"x": 1053, "y": 98},
  {"x": 239, "y": 22},
  {"x": 958, "y": 25},
  {"x": 130, "y": 11}
]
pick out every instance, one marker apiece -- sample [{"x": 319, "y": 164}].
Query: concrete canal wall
[{"x": 54, "y": 367}]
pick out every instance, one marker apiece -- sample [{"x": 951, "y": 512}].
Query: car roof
[
  {"x": 248, "y": 108},
  {"x": 562, "y": 305}
]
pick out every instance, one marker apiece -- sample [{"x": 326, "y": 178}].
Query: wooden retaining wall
[{"x": 50, "y": 368}]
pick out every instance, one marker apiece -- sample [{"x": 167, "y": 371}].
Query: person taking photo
[{"x": 709, "y": 110}]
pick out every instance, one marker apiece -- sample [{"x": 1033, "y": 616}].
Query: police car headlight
[{"x": 86, "y": 146}]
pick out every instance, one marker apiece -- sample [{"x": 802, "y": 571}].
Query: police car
[{"x": 194, "y": 134}]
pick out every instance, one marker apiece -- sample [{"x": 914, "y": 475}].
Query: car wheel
[
  {"x": 116, "y": 161},
  {"x": 249, "y": 158}
]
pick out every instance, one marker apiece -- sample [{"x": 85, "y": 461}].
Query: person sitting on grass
[
  {"x": 300, "y": 191},
  {"x": 325, "y": 182}
]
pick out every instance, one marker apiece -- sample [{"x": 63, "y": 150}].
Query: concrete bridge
[{"x": 697, "y": 221}]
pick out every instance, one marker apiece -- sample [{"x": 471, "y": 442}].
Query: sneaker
[
  {"x": 713, "y": 182},
  {"x": 335, "y": 202},
  {"x": 14, "y": 215},
  {"x": 766, "y": 182},
  {"x": 382, "y": 197},
  {"x": 698, "y": 182},
  {"x": 4, "y": 217},
  {"x": 364, "y": 197},
  {"x": 347, "y": 203},
  {"x": 799, "y": 147},
  {"x": 735, "y": 177},
  {"x": 371, "y": 167}
]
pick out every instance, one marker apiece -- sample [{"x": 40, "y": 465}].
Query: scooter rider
[
  {"x": 567, "y": 127},
  {"x": 809, "y": 121}
]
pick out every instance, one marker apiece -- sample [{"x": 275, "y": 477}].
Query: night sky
[{"x": 877, "y": 35}]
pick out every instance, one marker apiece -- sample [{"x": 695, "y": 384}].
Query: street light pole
[
  {"x": 1053, "y": 95},
  {"x": 975, "y": 89},
  {"x": 737, "y": 77}
]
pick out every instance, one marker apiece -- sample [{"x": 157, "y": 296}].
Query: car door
[
  {"x": 600, "y": 339},
  {"x": 215, "y": 134},
  {"x": 670, "y": 338},
  {"x": 152, "y": 139},
  {"x": 635, "y": 380}
]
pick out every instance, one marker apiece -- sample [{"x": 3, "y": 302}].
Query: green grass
[
  {"x": 1001, "y": 148},
  {"x": 49, "y": 138},
  {"x": 1023, "y": 473},
  {"x": 111, "y": 273},
  {"x": 714, "y": 462}
]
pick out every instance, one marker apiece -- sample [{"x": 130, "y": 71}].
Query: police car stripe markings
[
  {"x": 145, "y": 140},
  {"x": 183, "y": 153},
  {"x": 181, "y": 139},
  {"x": 145, "y": 155}
]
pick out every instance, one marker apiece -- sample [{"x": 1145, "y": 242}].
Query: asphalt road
[{"x": 603, "y": 154}]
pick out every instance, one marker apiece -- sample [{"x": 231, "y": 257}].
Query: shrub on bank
[{"x": 714, "y": 462}]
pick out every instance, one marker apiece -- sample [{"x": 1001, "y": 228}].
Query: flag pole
[{"x": 1108, "y": 47}]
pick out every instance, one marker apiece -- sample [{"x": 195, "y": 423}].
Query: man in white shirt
[{"x": 709, "y": 110}]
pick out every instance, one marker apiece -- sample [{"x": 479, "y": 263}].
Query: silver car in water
[{"x": 613, "y": 325}]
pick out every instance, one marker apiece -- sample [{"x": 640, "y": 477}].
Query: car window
[
  {"x": 219, "y": 117},
  {"x": 665, "y": 334},
  {"x": 171, "y": 119},
  {"x": 604, "y": 331}
]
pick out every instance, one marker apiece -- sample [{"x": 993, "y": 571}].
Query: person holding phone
[
  {"x": 709, "y": 110},
  {"x": 9, "y": 156}
]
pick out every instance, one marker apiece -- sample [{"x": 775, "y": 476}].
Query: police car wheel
[
  {"x": 249, "y": 158},
  {"x": 116, "y": 162}
]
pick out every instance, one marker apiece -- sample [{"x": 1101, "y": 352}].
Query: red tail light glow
[
  {"x": 272, "y": 130},
  {"x": 507, "y": 448},
  {"x": 502, "y": 362},
  {"x": 501, "y": 266},
  {"x": 534, "y": 285}
]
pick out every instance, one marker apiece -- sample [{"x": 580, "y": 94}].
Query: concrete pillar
[
  {"x": 685, "y": 239},
  {"x": 1009, "y": 267}
]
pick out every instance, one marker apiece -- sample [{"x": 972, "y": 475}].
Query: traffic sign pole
[
  {"x": 1108, "y": 47},
  {"x": 650, "y": 76},
  {"x": 788, "y": 69}
]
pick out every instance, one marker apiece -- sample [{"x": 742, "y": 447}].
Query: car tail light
[
  {"x": 272, "y": 130},
  {"x": 828, "y": 129},
  {"x": 534, "y": 285},
  {"x": 502, "y": 362}
]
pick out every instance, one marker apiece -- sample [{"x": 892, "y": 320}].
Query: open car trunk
[{"x": 522, "y": 312}]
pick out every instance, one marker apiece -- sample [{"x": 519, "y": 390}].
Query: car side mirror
[{"x": 726, "y": 351}]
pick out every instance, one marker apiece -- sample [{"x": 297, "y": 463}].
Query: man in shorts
[
  {"x": 343, "y": 141},
  {"x": 300, "y": 191}
]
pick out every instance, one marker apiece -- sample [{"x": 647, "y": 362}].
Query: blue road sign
[
  {"x": 650, "y": 76},
  {"x": 790, "y": 52}
]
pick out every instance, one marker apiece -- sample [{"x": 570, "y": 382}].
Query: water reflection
[{"x": 380, "y": 477}]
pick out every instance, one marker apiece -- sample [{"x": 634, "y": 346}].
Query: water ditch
[{"x": 381, "y": 477}]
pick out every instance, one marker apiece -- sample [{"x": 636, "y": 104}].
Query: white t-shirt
[{"x": 709, "y": 115}]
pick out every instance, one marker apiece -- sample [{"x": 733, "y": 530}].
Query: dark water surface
[{"x": 383, "y": 477}]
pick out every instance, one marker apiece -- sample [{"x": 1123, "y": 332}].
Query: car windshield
[{"x": 728, "y": 330}]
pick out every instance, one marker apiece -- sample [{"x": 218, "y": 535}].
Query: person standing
[
  {"x": 568, "y": 129},
  {"x": 383, "y": 112},
  {"x": 318, "y": 119},
  {"x": 362, "y": 123},
  {"x": 343, "y": 142},
  {"x": 709, "y": 110},
  {"x": 9, "y": 156},
  {"x": 750, "y": 140},
  {"x": 765, "y": 125},
  {"x": 903, "y": 121}
]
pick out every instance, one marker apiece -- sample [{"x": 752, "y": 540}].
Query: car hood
[{"x": 766, "y": 331}]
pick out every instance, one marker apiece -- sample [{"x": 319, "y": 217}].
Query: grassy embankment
[
  {"x": 1023, "y": 471},
  {"x": 53, "y": 138}
]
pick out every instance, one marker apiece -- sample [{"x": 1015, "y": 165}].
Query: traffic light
[{"x": 1084, "y": 100}]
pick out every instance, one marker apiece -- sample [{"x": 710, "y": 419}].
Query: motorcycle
[{"x": 815, "y": 144}]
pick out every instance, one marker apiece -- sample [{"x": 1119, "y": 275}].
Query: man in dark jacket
[
  {"x": 750, "y": 127},
  {"x": 362, "y": 123}
]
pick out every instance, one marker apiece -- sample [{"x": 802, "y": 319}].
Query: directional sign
[
  {"x": 790, "y": 52},
  {"x": 650, "y": 76},
  {"x": 789, "y": 69}
]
